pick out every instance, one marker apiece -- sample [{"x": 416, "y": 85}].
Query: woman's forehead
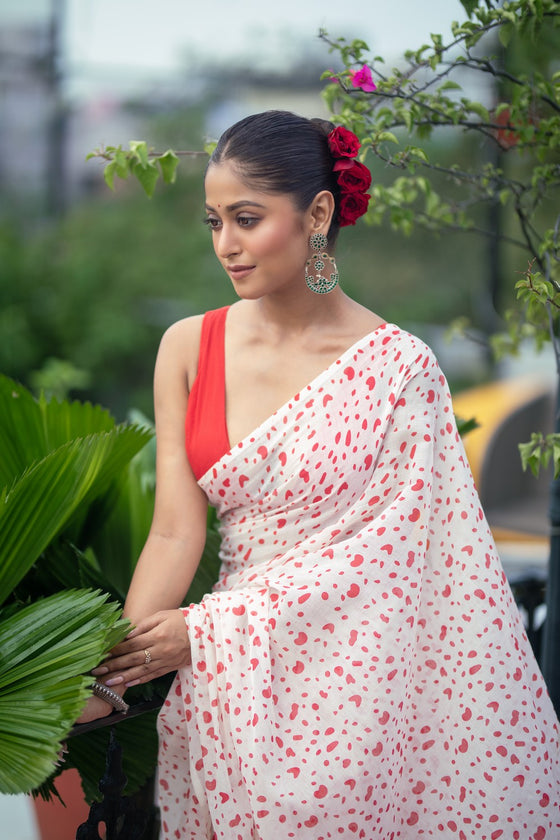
[{"x": 225, "y": 185}]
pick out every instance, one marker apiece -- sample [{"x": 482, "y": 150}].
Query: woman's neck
[{"x": 296, "y": 314}]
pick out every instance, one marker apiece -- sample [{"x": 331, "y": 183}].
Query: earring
[{"x": 317, "y": 281}]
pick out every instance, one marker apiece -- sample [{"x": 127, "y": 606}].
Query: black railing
[
  {"x": 123, "y": 817},
  {"x": 136, "y": 817},
  {"x": 529, "y": 591}
]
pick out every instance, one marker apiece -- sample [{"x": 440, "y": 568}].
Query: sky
[{"x": 129, "y": 42}]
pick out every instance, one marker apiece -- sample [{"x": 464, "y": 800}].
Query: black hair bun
[{"x": 323, "y": 125}]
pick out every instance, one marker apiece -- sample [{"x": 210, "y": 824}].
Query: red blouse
[{"x": 206, "y": 436}]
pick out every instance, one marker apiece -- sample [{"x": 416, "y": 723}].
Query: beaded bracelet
[{"x": 110, "y": 696}]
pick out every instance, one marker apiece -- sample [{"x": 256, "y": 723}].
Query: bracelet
[{"x": 110, "y": 696}]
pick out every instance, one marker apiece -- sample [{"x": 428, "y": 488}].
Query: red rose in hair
[
  {"x": 343, "y": 143},
  {"x": 356, "y": 178},
  {"x": 352, "y": 206}
]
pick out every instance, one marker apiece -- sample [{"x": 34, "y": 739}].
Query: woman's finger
[
  {"x": 159, "y": 646},
  {"x": 124, "y": 661},
  {"x": 146, "y": 625}
]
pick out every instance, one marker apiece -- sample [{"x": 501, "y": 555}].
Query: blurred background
[{"x": 90, "y": 279}]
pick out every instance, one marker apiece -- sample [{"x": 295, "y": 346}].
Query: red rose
[
  {"x": 343, "y": 143},
  {"x": 352, "y": 206},
  {"x": 355, "y": 179}
]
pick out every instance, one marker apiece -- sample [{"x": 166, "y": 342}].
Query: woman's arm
[{"x": 175, "y": 543}]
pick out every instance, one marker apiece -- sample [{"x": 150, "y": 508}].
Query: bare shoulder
[
  {"x": 365, "y": 319},
  {"x": 179, "y": 347},
  {"x": 358, "y": 322},
  {"x": 183, "y": 334}
]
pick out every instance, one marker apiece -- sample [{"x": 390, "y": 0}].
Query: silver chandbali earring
[{"x": 318, "y": 263}]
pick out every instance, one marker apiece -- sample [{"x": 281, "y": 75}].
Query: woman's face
[{"x": 260, "y": 238}]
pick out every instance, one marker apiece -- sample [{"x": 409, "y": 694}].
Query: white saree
[{"x": 360, "y": 669}]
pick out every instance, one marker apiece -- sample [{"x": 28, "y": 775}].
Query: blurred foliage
[
  {"x": 493, "y": 88},
  {"x": 98, "y": 288},
  {"x": 473, "y": 91}
]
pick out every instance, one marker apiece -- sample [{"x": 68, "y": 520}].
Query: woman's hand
[
  {"x": 157, "y": 645},
  {"x": 95, "y": 708}
]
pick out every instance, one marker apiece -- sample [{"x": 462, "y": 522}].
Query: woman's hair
[{"x": 281, "y": 152}]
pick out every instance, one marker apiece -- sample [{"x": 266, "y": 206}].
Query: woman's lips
[{"x": 238, "y": 272}]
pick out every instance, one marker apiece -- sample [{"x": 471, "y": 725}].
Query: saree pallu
[{"x": 360, "y": 669}]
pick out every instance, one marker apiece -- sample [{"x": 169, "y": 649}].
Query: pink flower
[{"x": 363, "y": 79}]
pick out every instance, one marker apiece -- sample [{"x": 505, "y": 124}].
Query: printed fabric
[{"x": 360, "y": 669}]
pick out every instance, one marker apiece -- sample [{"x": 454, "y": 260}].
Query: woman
[{"x": 360, "y": 668}]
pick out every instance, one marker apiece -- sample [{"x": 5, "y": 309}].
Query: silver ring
[{"x": 148, "y": 656}]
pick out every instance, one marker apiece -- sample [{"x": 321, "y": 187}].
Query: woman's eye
[
  {"x": 213, "y": 224},
  {"x": 246, "y": 221}
]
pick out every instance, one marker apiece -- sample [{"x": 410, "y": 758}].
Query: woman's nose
[{"x": 228, "y": 242}]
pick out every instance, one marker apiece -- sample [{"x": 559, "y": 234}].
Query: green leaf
[
  {"x": 30, "y": 429},
  {"x": 44, "y": 499},
  {"x": 121, "y": 164},
  {"x": 556, "y": 458},
  {"x": 450, "y": 85},
  {"x": 46, "y": 650},
  {"x": 126, "y": 515},
  {"x": 407, "y": 119},
  {"x": 469, "y": 6},
  {"x": 480, "y": 110},
  {"x": 40, "y": 504},
  {"x": 109, "y": 174},
  {"x": 418, "y": 153},
  {"x": 386, "y": 137},
  {"x": 466, "y": 426},
  {"x": 210, "y": 145},
  {"x": 147, "y": 176},
  {"x": 505, "y": 33},
  {"x": 504, "y": 196},
  {"x": 168, "y": 164},
  {"x": 140, "y": 151}
]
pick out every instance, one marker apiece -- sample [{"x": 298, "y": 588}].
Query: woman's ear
[{"x": 321, "y": 212}]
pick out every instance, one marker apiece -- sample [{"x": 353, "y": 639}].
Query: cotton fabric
[
  {"x": 206, "y": 435},
  {"x": 360, "y": 669}
]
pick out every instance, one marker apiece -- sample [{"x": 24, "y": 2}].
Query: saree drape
[{"x": 360, "y": 669}]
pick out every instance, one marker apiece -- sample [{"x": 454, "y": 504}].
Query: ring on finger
[{"x": 147, "y": 656}]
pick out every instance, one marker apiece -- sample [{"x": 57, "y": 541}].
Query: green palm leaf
[
  {"x": 45, "y": 649},
  {"x": 18, "y": 412},
  {"x": 119, "y": 522},
  {"x": 42, "y": 501},
  {"x": 58, "y": 461},
  {"x": 30, "y": 428}
]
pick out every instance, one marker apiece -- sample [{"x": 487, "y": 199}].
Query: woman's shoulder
[
  {"x": 186, "y": 332},
  {"x": 399, "y": 345},
  {"x": 183, "y": 336},
  {"x": 180, "y": 344}
]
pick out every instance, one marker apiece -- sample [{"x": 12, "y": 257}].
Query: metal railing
[{"x": 123, "y": 817}]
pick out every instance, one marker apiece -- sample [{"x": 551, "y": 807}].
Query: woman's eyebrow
[{"x": 231, "y": 207}]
